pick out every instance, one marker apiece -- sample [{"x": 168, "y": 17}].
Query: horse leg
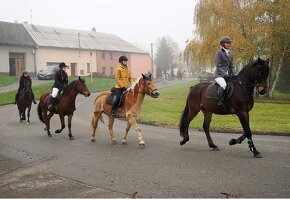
[
  {"x": 20, "y": 116},
  {"x": 61, "y": 117},
  {"x": 110, "y": 126},
  {"x": 244, "y": 120},
  {"x": 46, "y": 119},
  {"x": 28, "y": 114},
  {"x": 206, "y": 124},
  {"x": 124, "y": 139},
  {"x": 185, "y": 125},
  {"x": 132, "y": 121},
  {"x": 69, "y": 126},
  {"x": 94, "y": 122}
]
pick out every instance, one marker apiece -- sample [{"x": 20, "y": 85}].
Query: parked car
[
  {"x": 47, "y": 73},
  {"x": 205, "y": 76}
]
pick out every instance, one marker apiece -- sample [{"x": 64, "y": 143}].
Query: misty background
[{"x": 140, "y": 22}]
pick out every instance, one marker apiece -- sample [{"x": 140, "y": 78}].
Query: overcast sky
[{"x": 139, "y": 22}]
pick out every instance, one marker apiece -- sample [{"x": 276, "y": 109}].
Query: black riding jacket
[
  {"x": 24, "y": 82},
  {"x": 61, "y": 79}
]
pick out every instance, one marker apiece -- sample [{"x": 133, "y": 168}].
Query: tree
[{"x": 164, "y": 55}]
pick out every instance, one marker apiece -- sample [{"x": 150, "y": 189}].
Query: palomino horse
[
  {"x": 65, "y": 105},
  {"x": 24, "y": 102},
  {"x": 133, "y": 99},
  {"x": 254, "y": 74}
]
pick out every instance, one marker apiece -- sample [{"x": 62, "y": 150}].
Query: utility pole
[
  {"x": 152, "y": 58},
  {"x": 31, "y": 16}
]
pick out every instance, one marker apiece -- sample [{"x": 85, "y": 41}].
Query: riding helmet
[
  {"x": 62, "y": 65},
  {"x": 225, "y": 40},
  {"x": 123, "y": 58}
]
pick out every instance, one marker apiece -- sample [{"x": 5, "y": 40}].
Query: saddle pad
[
  {"x": 109, "y": 99},
  {"x": 212, "y": 91}
]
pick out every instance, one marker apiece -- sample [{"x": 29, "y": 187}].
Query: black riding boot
[
  {"x": 114, "y": 104},
  {"x": 221, "y": 94},
  {"x": 33, "y": 100},
  {"x": 52, "y": 104},
  {"x": 16, "y": 98}
]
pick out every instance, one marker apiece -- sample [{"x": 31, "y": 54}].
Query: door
[
  {"x": 73, "y": 67},
  {"x": 16, "y": 64}
]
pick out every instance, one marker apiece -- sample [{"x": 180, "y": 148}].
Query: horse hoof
[
  {"x": 142, "y": 146},
  {"x": 216, "y": 149},
  {"x": 45, "y": 129},
  {"x": 232, "y": 141},
  {"x": 258, "y": 155},
  {"x": 58, "y": 131},
  {"x": 71, "y": 138},
  {"x": 124, "y": 143},
  {"x": 27, "y": 123},
  {"x": 93, "y": 140},
  {"x": 49, "y": 135},
  {"x": 114, "y": 142}
]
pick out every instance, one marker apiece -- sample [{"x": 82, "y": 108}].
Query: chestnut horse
[
  {"x": 24, "y": 102},
  {"x": 133, "y": 99},
  {"x": 254, "y": 74},
  {"x": 65, "y": 105}
]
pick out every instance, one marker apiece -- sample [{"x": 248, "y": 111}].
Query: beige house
[{"x": 85, "y": 52}]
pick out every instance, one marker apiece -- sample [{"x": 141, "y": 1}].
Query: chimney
[{"x": 94, "y": 29}]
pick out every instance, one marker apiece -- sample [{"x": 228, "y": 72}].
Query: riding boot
[
  {"x": 52, "y": 104},
  {"x": 16, "y": 98},
  {"x": 221, "y": 94},
  {"x": 114, "y": 104},
  {"x": 33, "y": 100}
]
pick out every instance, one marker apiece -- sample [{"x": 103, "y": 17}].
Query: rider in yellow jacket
[{"x": 123, "y": 77}]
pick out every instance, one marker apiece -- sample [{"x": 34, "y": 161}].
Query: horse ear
[
  {"x": 268, "y": 60},
  {"x": 259, "y": 60},
  {"x": 80, "y": 78},
  {"x": 143, "y": 76}
]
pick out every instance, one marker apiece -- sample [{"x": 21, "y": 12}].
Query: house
[
  {"x": 85, "y": 52},
  {"x": 17, "y": 49}
]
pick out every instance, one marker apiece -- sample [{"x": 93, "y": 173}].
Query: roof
[
  {"x": 78, "y": 39},
  {"x": 14, "y": 34}
]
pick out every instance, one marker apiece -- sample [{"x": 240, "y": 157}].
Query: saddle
[
  {"x": 212, "y": 90},
  {"x": 109, "y": 98}
]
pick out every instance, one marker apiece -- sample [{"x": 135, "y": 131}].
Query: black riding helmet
[
  {"x": 62, "y": 65},
  {"x": 123, "y": 58},
  {"x": 225, "y": 40}
]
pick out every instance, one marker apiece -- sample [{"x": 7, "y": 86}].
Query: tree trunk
[{"x": 276, "y": 77}]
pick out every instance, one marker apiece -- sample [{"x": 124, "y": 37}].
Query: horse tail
[
  {"x": 183, "y": 124},
  {"x": 39, "y": 112}
]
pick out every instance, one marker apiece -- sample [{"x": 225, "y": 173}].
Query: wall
[
  {"x": 141, "y": 63},
  {"x": 4, "y": 58},
  {"x": 57, "y": 55}
]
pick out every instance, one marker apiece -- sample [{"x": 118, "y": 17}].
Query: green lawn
[
  {"x": 166, "y": 110},
  {"x": 7, "y": 80}
]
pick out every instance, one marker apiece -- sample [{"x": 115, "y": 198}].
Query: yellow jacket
[{"x": 123, "y": 76}]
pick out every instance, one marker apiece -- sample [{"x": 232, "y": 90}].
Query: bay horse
[
  {"x": 254, "y": 74},
  {"x": 65, "y": 105},
  {"x": 131, "y": 108},
  {"x": 24, "y": 102}
]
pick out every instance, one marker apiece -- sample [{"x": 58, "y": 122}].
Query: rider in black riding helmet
[
  {"x": 224, "y": 67},
  {"x": 60, "y": 80},
  {"x": 24, "y": 81}
]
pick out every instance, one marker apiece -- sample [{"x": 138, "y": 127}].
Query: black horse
[
  {"x": 240, "y": 101},
  {"x": 24, "y": 102}
]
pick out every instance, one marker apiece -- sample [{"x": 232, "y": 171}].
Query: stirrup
[{"x": 113, "y": 114}]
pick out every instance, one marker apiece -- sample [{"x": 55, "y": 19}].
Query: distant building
[{"x": 85, "y": 52}]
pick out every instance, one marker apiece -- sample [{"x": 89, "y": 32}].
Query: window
[
  {"x": 82, "y": 72},
  {"x": 88, "y": 67},
  {"x": 111, "y": 55},
  {"x": 104, "y": 70},
  {"x": 103, "y": 55},
  {"x": 111, "y": 71}
]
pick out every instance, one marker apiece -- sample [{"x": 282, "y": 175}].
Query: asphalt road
[{"x": 34, "y": 165}]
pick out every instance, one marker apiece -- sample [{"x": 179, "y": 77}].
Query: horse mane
[
  {"x": 135, "y": 84},
  {"x": 68, "y": 88},
  {"x": 245, "y": 68}
]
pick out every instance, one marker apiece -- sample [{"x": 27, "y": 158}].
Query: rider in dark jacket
[
  {"x": 224, "y": 67},
  {"x": 24, "y": 82},
  {"x": 60, "y": 80}
]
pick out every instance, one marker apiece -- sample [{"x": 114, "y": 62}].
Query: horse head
[
  {"x": 262, "y": 73},
  {"x": 82, "y": 88},
  {"x": 149, "y": 87},
  {"x": 255, "y": 74}
]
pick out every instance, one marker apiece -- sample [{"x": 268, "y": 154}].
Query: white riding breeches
[
  {"x": 54, "y": 92},
  {"x": 221, "y": 81}
]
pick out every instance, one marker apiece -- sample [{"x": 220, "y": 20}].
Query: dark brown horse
[
  {"x": 24, "y": 102},
  {"x": 131, "y": 108},
  {"x": 241, "y": 101},
  {"x": 65, "y": 105}
]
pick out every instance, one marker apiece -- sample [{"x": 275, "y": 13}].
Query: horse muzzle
[
  {"x": 86, "y": 94},
  {"x": 155, "y": 93},
  {"x": 262, "y": 89}
]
